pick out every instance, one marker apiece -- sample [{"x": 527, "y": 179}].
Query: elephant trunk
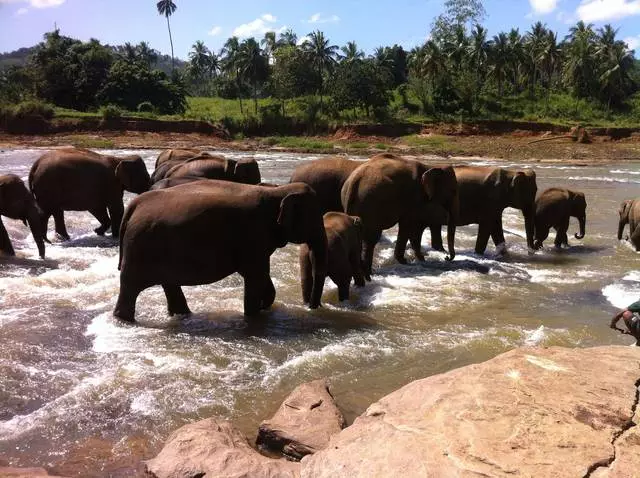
[
  {"x": 454, "y": 212},
  {"x": 37, "y": 229},
  {"x": 621, "y": 226},
  {"x": 529, "y": 225},
  {"x": 319, "y": 257},
  {"x": 582, "y": 219}
]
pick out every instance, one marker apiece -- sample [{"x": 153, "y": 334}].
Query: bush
[
  {"x": 110, "y": 113},
  {"x": 33, "y": 108},
  {"x": 26, "y": 117},
  {"x": 146, "y": 107}
]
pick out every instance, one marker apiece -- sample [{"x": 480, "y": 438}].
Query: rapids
[{"x": 87, "y": 396}]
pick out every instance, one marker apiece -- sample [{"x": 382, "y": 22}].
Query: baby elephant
[
  {"x": 344, "y": 237},
  {"x": 630, "y": 214},
  {"x": 554, "y": 207}
]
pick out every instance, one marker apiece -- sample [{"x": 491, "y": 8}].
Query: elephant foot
[
  {"x": 360, "y": 282},
  {"x": 100, "y": 231},
  {"x": 124, "y": 318},
  {"x": 63, "y": 237},
  {"x": 501, "y": 249},
  {"x": 438, "y": 248},
  {"x": 401, "y": 260}
]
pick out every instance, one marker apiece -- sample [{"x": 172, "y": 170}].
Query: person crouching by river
[{"x": 631, "y": 320}]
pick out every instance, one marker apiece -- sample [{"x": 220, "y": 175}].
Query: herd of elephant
[{"x": 200, "y": 217}]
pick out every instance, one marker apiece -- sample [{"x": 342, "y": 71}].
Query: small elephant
[
  {"x": 630, "y": 214},
  {"x": 344, "y": 240},
  {"x": 203, "y": 231},
  {"x": 554, "y": 208},
  {"x": 485, "y": 192},
  {"x": 16, "y": 202},
  {"x": 73, "y": 179},
  {"x": 326, "y": 176},
  {"x": 389, "y": 190},
  {"x": 170, "y": 158}
]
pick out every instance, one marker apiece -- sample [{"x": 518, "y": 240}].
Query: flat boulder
[
  {"x": 543, "y": 412},
  {"x": 304, "y": 423},
  {"x": 214, "y": 448}
]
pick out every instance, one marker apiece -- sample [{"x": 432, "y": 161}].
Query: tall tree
[
  {"x": 534, "y": 44},
  {"x": 288, "y": 38},
  {"x": 499, "y": 59},
  {"x": 253, "y": 65},
  {"x": 322, "y": 55},
  {"x": 167, "y": 8},
  {"x": 147, "y": 54},
  {"x": 230, "y": 52},
  {"x": 350, "y": 52},
  {"x": 269, "y": 44}
]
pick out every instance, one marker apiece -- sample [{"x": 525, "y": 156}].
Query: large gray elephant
[
  {"x": 344, "y": 240},
  {"x": 485, "y": 192},
  {"x": 16, "y": 202},
  {"x": 73, "y": 179},
  {"x": 326, "y": 176},
  {"x": 554, "y": 208},
  {"x": 203, "y": 231},
  {"x": 389, "y": 190},
  {"x": 630, "y": 214},
  {"x": 204, "y": 165},
  {"x": 170, "y": 158}
]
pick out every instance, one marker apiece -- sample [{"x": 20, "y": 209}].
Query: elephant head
[
  {"x": 522, "y": 195},
  {"x": 441, "y": 187},
  {"x": 246, "y": 171},
  {"x": 16, "y": 202},
  {"x": 133, "y": 175},
  {"x": 625, "y": 209},
  {"x": 579, "y": 210},
  {"x": 301, "y": 221}
]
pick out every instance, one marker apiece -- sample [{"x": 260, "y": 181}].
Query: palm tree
[
  {"x": 499, "y": 55},
  {"x": 269, "y": 44},
  {"x": 129, "y": 52},
  {"x": 516, "y": 56},
  {"x": 214, "y": 65},
  {"x": 433, "y": 62},
  {"x": 456, "y": 50},
  {"x": 288, "y": 38},
  {"x": 550, "y": 58},
  {"x": 230, "y": 64},
  {"x": 146, "y": 54},
  {"x": 615, "y": 78},
  {"x": 167, "y": 8},
  {"x": 351, "y": 53},
  {"x": 534, "y": 43},
  {"x": 321, "y": 54},
  {"x": 253, "y": 65},
  {"x": 199, "y": 59},
  {"x": 580, "y": 61}
]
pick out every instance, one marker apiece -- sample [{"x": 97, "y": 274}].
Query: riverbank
[{"x": 512, "y": 146}]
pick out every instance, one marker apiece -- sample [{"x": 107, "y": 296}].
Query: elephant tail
[
  {"x": 123, "y": 229},
  {"x": 32, "y": 173},
  {"x": 349, "y": 197}
]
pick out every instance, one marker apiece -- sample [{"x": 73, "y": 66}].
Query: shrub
[
  {"x": 26, "y": 117},
  {"x": 33, "y": 108},
  {"x": 110, "y": 113},
  {"x": 146, "y": 107}
]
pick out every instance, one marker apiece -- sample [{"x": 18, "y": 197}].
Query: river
[{"x": 87, "y": 396}]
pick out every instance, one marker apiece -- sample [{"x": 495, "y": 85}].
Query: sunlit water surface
[{"x": 88, "y": 396}]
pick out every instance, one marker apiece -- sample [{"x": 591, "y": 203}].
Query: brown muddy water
[{"x": 85, "y": 395}]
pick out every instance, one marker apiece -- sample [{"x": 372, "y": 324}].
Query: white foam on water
[
  {"x": 621, "y": 294},
  {"x": 535, "y": 337},
  {"x": 551, "y": 276},
  {"x": 624, "y": 171},
  {"x": 604, "y": 179}
]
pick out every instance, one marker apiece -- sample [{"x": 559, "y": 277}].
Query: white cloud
[
  {"x": 542, "y": 7},
  {"x": 320, "y": 18},
  {"x": 21, "y": 11},
  {"x": 633, "y": 42},
  {"x": 603, "y": 10},
  {"x": 215, "y": 31},
  {"x": 303, "y": 40},
  {"x": 34, "y": 4},
  {"x": 259, "y": 26}
]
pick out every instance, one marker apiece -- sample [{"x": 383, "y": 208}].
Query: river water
[{"x": 88, "y": 396}]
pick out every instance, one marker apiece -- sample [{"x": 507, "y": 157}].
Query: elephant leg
[
  {"x": 61, "y": 229},
  {"x": 369, "y": 244},
  {"x": 255, "y": 286},
  {"x": 415, "y": 239},
  {"x": 5, "y": 243},
  {"x": 102, "y": 216},
  {"x": 484, "y": 231},
  {"x": 356, "y": 268},
  {"x": 126, "y": 305},
  {"x": 561, "y": 234},
  {"x": 401, "y": 243},
  {"x": 343, "y": 290},
  {"x": 306, "y": 275},
  {"x": 116, "y": 211},
  {"x": 436, "y": 238},
  {"x": 497, "y": 232},
  {"x": 176, "y": 301},
  {"x": 635, "y": 238},
  {"x": 269, "y": 294},
  {"x": 542, "y": 232}
]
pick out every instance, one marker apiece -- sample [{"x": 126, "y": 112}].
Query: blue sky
[{"x": 370, "y": 22}]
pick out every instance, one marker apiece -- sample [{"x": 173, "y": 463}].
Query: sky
[{"x": 371, "y": 23}]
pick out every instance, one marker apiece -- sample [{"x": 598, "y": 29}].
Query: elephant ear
[
  {"x": 624, "y": 208},
  {"x": 430, "y": 181},
  {"x": 247, "y": 171},
  {"x": 133, "y": 175}
]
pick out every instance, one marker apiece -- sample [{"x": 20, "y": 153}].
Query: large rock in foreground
[
  {"x": 213, "y": 448},
  {"x": 530, "y": 412},
  {"x": 304, "y": 423}
]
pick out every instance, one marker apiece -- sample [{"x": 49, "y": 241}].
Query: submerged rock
[
  {"x": 304, "y": 423},
  {"x": 530, "y": 412},
  {"x": 214, "y": 448}
]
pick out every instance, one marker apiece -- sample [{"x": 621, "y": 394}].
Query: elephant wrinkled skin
[
  {"x": 389, "y": 190},
  {"x": 16, "y": 202},
  {"x": 72, "y": 179},
  {"x": 485, "y": 192},
  {"x": 203, "y": 231},
  {"x": 344, "y": 241},
  {"x": 326, "y": 176},
  {"x": 630, "y": 214},
  {"x": 554, "y": 208}
]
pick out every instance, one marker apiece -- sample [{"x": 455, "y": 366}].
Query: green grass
[
  {"x": 299, "y": 142},
  {"x": 381, "y": 146},
  {"x": 358, "y": 145},
  {"x": 431, "y": 141},
  {"x": 89, "y": 142}
]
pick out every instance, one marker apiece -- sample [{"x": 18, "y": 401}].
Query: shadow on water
[
  {"x": 90, "y": 241},
  {"x": 435, "y": 267},
  {"x": 33, "y": 267}
]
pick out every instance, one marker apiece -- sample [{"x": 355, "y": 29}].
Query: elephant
[
  {"x": 203, "y": 231},
  {"x": 554, "y": 208},
  {"x": 207, "y": 166},
  {"x": 170, "y": 182},
  {"x": 344, "y": 240},
  {"x": 389, "y": 190},
  {"x": 170, "y": 158},
  {"x": 326, "y": 176},
  {"x": 73, "y": 179},
  {"x": 16, "y": 202},
  {"x": 630, "y": 214},
  {"x": 484, "y": 193}
]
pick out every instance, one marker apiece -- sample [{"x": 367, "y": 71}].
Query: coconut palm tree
[
  {"x": 253, "y": 65},
  {"x": 477, "y": 54},
  {"x": 533, "y": 44},
  {"x": 199, "y": 60},
  {"x": 516, "y": 56},
  {"x": 167, "y": 8},
  {"x": 230, "y": 52},
  {"x": 499, "y": 59},
  {"x": 615, "y": 79},
  {"x": 288, "y": 38},
  {"x": 433, "y": 62},
  {"x": 269, "y": 44},
  {"x": 350, "y": 52},
  {"x": 321, "y": 54},
  {"x": 147, "y": 54},
  {"x": 550, "y": 58},
  {"x": 580, "y": 63}
]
